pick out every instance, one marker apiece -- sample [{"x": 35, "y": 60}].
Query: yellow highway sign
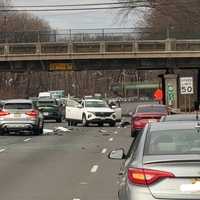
[{"x": 60, "y": 67}]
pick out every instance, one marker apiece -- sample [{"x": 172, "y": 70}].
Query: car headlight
[{"x": 89, "y": 115}]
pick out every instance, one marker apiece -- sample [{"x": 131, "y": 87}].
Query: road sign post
[
  {"x": 187, "y": 89},
  {"x": 186, "y": 85}
]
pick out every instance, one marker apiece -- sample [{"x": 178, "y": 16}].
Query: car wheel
[
  {"x": 59, "y": 120},
  {"x": 84, "y": 121},
  {"x": 134, "y": 134},
  {"x": 112, "y": 124},
  {"x": 37, "y": 131},
  {"x": 100, "y": 124}
]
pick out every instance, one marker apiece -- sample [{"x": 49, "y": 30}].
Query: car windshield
[
  {"x": 96, "y": 104},
  {"x": 186, "y": 141},
  {"x": 18, "y": 106},
  {"x": 46, "y": 103},
  {"x": 147, "y": 109}
]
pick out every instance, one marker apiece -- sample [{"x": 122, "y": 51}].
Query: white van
[{"x": 44, "y": 95}]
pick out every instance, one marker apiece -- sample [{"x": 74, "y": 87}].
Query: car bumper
[
  {"x": 17, "y": 126},
  {"x": 51, "y": 116},
  {"x": 102, "y": 120},
  {"x": 135, "y": 193}
]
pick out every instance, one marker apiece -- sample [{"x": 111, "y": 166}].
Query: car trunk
[
  {"x": 184, "y": 185},
  {"x": 143, "y": 119},
  {"x": 17, "y": 115},
  {"x": 48, "y": 108}
]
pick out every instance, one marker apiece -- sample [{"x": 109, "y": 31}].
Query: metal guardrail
[
  {"x": 99, "y": 47},
  {"x": 86, "y": 35}
]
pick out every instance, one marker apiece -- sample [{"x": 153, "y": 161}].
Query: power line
[
  {"x": 70, "y": 9},
  {"x": 72, "y": 5}
]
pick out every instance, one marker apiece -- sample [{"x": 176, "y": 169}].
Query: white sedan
[{"x": 89, "y": 111}]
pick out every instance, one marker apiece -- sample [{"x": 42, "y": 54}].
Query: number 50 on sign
[{"x": 186, "y": 85}]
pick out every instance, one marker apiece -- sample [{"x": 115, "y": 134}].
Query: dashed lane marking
[
  {"x": 94, "y": 169},
  {"x": 27, "y": 139}
]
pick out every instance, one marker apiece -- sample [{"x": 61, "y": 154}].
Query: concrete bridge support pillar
[{"x": 171, "y": 97}]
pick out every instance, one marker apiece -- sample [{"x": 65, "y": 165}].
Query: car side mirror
[{"x": 118, "y": 154}]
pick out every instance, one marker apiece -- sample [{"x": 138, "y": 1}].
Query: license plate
[
  {"x": 194, "y": 187},
  {"x": 152, "y": 120},
  {"x": 17, "y": 115},
  {"x": 45, "y": 113}
]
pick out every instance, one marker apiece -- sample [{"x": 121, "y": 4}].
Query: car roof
[
  {"x": 46, "y": 99},
  {"x": 180, "y": 117},
  {"x": 17, "y": 101},
  {"x": 93, "y": 100},
  {"x": 175, "y": 125},
  {"x": 151, "y": 105}
]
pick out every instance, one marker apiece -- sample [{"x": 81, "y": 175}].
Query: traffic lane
[
  {"x": 102, "y": 183},
  {"x": 50, "y": 167},
  {"x": 14, "y": 138}
]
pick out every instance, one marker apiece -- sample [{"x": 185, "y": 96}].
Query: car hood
[{"x": 99, "y": 110}]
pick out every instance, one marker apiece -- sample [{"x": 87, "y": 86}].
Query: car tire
[
  {"x": 38, "y": 131},
  {"x": 100, "y": 124},
  {"x": 84, "y": 121},
  {"x": 112, "y": 124},
  {"x": 59, "y": 120},
  {"x": 134, "y": 134}
]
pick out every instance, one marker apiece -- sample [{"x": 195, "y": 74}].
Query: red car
[{"x": 145, "y": 114}]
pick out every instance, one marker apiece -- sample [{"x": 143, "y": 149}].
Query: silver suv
[{"x": 19, "y": 115}]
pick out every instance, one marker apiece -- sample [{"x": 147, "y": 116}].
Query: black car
[{"x": 51, "y": 109}]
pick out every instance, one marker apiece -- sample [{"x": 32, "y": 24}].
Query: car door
[
  {"x": 124, "y": 167},
  {"x": 73, "y": 110}
]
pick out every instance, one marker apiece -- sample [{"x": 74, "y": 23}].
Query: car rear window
[
  {"x": 46, "y": 103},
  {"x": 146, "y": 109},
  {"x": 169, "y": 142},
  {"x": 18, "y": 106}
]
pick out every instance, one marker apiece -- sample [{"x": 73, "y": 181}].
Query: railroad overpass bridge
[
  {"x": 107, "y": 51},
  {"x": 90, "y": 51}
]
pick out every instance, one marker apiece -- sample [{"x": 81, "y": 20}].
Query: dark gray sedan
[
  {"x": 20, "y": 115},
  {"x": 164, "y": 163},
  {"x": 180, "y": 117}
]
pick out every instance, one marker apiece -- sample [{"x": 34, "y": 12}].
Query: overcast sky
[{"x": 80, "y": 19}]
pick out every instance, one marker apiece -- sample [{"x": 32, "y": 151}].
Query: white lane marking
[
  {"x": 27, "y": 139},
  {"x": 103, "y": 151},
  {"x": 94, "y": 169},
  {"x": 76, "y": 199},
  {"x": 83, "y": 183},
  {"x": 2, "y": 150},
  {"x": 111, "y": 139}
]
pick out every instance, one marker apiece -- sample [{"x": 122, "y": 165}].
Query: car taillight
[
  {"x": 32, "y": 113},
  {"x": 147, "y": 176},
  {"x": 4, "y": 113}
]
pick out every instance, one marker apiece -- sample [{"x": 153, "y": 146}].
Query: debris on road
[
  {"x": 102, "y": 131},
  {"x": 62, "y": 129},
  {"x": 47, "y": 131}
]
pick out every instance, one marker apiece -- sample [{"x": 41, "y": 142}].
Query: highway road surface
[{"x": 62, "y": 165}]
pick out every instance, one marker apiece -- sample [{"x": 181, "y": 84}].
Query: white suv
[{"x": 89, "y": 111}]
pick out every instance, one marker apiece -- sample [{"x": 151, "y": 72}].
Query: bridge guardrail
[{"x": 105, "y": 47}]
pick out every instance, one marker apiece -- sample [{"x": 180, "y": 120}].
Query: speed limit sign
[{"x": 186, "y": 85}]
